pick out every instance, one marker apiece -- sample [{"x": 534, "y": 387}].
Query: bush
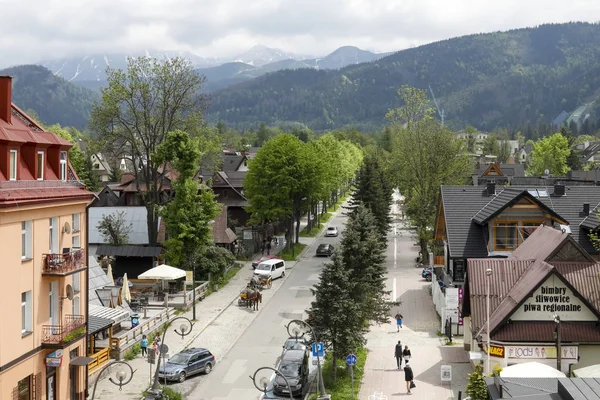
[
  {"x": 133, "y": 352},
  {"x": 476, "y": 387},
  {"x": 172, "y": 394},
  {"x": 342, "y": 388}
]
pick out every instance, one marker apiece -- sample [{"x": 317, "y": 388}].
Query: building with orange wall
[{"x": 43, "y": 280}]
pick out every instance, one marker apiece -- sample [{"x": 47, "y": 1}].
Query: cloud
[{"x": 35, "y": 30}]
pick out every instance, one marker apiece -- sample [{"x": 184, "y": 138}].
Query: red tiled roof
[
  {"x": 544, "y": 332},
  {"x": 27, "y": 192}
]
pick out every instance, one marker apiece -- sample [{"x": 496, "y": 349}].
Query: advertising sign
[
  {"x": 497, "y": 351},
  {"x": 452, "y": 298},
  {"x": 530, "y": 352},
  {"x": 446, "y": 372},
  {"x": 54, "y": 359}
]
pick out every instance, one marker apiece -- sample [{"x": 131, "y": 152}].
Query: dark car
[
  {"x": 294, "y": 366},
  {"x": 263, "y": 258},
  {"x": 324, "y": 250},
  {"x": 188, "y": 362},
  {"x": 427, "y": 273},
  {"x": 293, "y": 344}
]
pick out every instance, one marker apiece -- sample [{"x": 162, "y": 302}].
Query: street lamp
[
  {"x": 121, "y": 376},
  {"x": 558, "y": 346},
  {"x": 297, "y": 332},
  {"x": 264, "y": 381},
  {"x": 488, "y": 274},
  {"x": 184, "y": 330}
]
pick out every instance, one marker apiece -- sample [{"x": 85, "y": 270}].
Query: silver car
[{"x": 332, "y": 231}]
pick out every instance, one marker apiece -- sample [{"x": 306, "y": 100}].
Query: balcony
[
  {"x": 63, "y": 264},
  {"x": 60, "y": 336}
]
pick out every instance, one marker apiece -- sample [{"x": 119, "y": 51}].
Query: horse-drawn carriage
[
  {"x": 261, "y": 282},
  {"x": 250, "y": 297}
]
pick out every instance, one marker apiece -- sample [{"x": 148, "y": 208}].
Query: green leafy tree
[
  {"x": 550, "y": 153},
  {"x": 214, "y": 260},
  {"x": 114, "y": 229},
  {"x": 138, "y": 108},
  {"x": 426, "y": 156},
  {"x": 573, "y": 160},
  {"x": 476, "y": 387},
  {"x": 471, "y": 139},
  {"x": 490, "y": 145},
  {"x": 188, "y": 215},
  {"x": 504, "y": 149}
]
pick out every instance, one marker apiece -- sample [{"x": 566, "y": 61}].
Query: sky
[{"x": 34, "y": 30}]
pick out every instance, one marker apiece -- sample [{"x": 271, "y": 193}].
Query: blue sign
[
  {"x": 318, "y": 349},
  {"x": 351, "y": 359}
]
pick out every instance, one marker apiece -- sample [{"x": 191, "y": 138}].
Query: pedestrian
[
  {"x": 408, "y": 377},
  {"x": 264, "y": 246},
  {"x": 144, "y": 346},
  {"x": 398, "y": 354},
  {"x": 268, "y": 248},
  {"x": 398, "y": 320},
  {"x": 406, "y": 355}
]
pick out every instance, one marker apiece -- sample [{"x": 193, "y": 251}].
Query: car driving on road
[
  {"x": 324, "y": 250},
  {"x": 186, "y": 363},
  {"x": 274, "y": 268},
  {"x": 332, "y": 231},
  {"x": 263, "y": 258}
]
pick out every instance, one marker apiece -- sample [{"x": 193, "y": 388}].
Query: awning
[
  {"x": 163, "y": 272},
  {"x": 98, "y": 324},
  {"x": 117, "y": 315},
  {"x": 81, "y": 361},
  {"x": 128, "y": 251}
]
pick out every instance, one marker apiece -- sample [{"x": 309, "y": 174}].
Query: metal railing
[
  {"x": 56, "y": 334},
  {"x": 60, "y": 264}
]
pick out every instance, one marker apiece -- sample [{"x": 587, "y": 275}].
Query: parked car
[
  {"x": 332, "y": 231},
  {"x": 293, "y": 344},
  {"x": 263, "y": 258},
  {"x": 294, "y": 366},
  {"x": 274, "y": 268},
  {"x": 427, "y": 273},
  {"x": 324, "y": 250},
  {"x": 186, "y": 363}
]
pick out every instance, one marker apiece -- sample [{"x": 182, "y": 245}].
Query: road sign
[
  {"x": 351, "y": 359},
  {"x": 318, "y": 349},
  {"x": 164, "y": 349},
  {"x": 151, "y": 357}
]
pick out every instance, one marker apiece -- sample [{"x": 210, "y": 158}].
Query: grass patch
[
  {"x": 313, "y": 232},
  {"x": 325, "y": 217},
  {"x": 168, "y": 393},
  {"x": 287, "y": 255},
  {"x": 342, "y": 388},
  {"x": 133, "y": 352}
]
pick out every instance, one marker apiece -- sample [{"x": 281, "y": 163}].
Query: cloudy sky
[{"x": 33, "y": 30}]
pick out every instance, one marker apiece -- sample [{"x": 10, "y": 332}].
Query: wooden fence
[
  {"x": 99, "y": 359},
  {"x": 134, "y": 335}
]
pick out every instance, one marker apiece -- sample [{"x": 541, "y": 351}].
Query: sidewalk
[{"x": 218, "y": 337}]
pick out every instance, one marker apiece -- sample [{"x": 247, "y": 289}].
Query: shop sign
[
  {"x": 461, "y": 294},
  {"x": 452, "y": 298},
  {"x": 532, "y": 352},
  {"x": 54, "y": 359},
  {"x": 497, "y": 351},
  {"x": 446, "y": 373}
]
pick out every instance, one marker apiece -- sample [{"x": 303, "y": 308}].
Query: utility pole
[{"x": 441, "y": 113}]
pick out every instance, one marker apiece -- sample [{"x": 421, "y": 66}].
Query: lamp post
[
  {"x": 558, "y": 346},
  {"x": 183, "y": 331},
  {"x": 264, "y": 381},
  {"x": 121, "y": 376},
  {"x": 295, "y": 331},
  {"x": 488, "y": 274}
]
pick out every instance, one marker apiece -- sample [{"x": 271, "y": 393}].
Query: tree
[
  {"x": 573, "y": 160},
  {"x": 476, "y": 387},
  {"x": 138, "y": 108},
  {"x": 362, "y": 253},
  {"x": 550, "y": 153},
  {"x": 490, "y": 145},
  {"x": 334, "y": 314},
  {"x": 188, "y": 216},
  {"x": 214, "y": 260},
  {"x": 114, "y": 229},
  {"x": 426, "y": 156},
  {"x": 471, "y": 139},
  {"x": 503, "y": 146}
]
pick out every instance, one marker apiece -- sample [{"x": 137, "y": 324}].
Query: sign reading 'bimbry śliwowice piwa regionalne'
[
  {"x": 553, "y": 297},
  {"x": 567, "y": 352}
]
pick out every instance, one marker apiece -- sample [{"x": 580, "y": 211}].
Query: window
[
  {"x": 76, "y": 305},
  {"x": 40, "y": 165},
  {"x": 26, "y": 240},
  {"x": 53, "y": 231},
  {"x": 75, "y": 222},
  {"x": 24, "y": 389},
  {"x": 77, "y": 282},
  {"x": 75, "y": 243},
  {"x": 26, "y": 313},
  {"x": 13, "y": 166},
  {"x": 63, "y": 166},
  {"x": 96, "y": 166},
  {"x": 505, "y": 235}
]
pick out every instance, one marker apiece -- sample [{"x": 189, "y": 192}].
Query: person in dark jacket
[
  {"x": 398, "y": 354},
  {"x": 408, "y": 376},
  {"x": 406, "y": 355}
]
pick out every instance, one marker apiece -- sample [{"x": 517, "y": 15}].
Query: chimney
[
  {"x": 586, "y": 208},
  {"x": 5, "y": 98},
  {"x": 490, "y": 188},
  {"x": 559, "y": 189}
]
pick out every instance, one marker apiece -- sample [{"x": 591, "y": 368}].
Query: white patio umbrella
[
  {"x": 125, "y": 289},
  {"x": 109, "y": 274},
  {"x": 531, "y": 370},
  {"x": 163, "y": 272}
]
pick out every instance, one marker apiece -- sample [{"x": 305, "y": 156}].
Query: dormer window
[
  {"x": 63, "y": 166},
  {"x": 40, "y": 165},
  {"x": 13, "y": 165}
]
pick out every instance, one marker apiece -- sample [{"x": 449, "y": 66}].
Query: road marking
[
  {"x": 378, "y": 396},
  {"x": 394, "y": 290}
]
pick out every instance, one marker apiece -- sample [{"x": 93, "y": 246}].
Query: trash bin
[{"x": 135, "y": 320}]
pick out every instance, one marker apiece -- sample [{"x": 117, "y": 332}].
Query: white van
[{"x": 274, "y": 268}]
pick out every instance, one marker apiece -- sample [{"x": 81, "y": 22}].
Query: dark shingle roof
[
  {"x": 128, "y": 251},
  {"x": 232, "y": 163},
  {"x": 506, "y": 169}
]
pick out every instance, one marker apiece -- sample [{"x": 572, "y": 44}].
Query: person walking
[
  {"x": 406, "y": 355},
  {"x": 398, "y": 320},
  {"x": 398, "y": 354},
  {"x": 269, "y": 248},
  {"x": 144, "y": 346},
  {"x": 408, "y": 377}
]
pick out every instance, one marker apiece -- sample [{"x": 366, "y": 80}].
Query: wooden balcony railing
[
  {"x": 99, "y": 359},
  {"x": 60, "y": 335},
  {"x": 65, "y": 263}
]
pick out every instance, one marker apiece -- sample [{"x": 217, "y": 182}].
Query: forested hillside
[
  {"x": 486, "y": 80},
  {"x": 54, "y": 99}
]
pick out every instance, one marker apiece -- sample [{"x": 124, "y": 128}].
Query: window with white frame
[
  {"x": 12, "y": 173},
  {"x": 26, "y": 240},
  {"x": 75, "y": 242},
  {"x": 75, "y": 223},
  {"x": 53, "y": 234},
  {"x": 26, "y": 313},
  {"x": 76, "y": 306},
  {"x": 40, "y": 165},
  {"x": 63, "y": 165},
  {"x": 77, "y": 282}
]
